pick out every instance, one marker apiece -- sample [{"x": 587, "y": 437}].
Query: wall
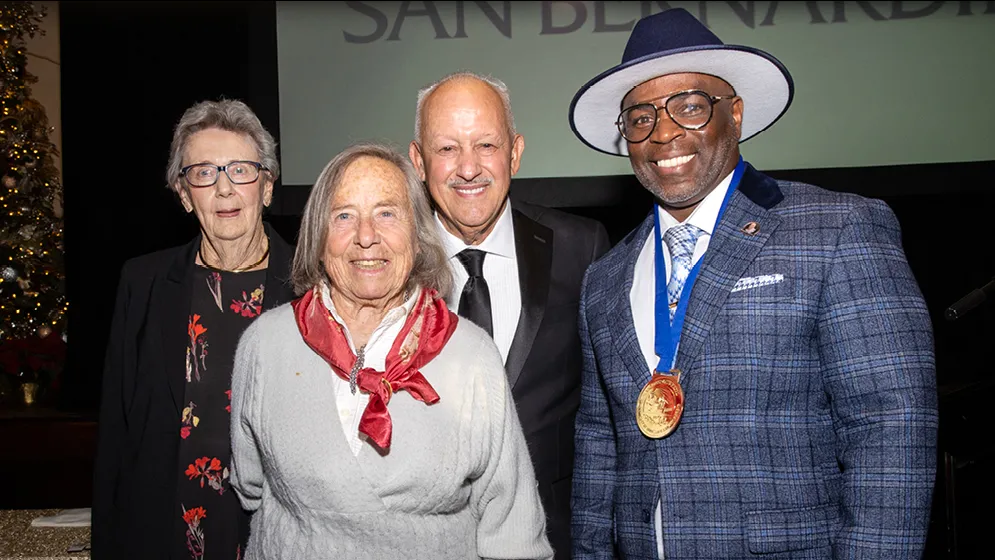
[{"x": 44, "y": 62}]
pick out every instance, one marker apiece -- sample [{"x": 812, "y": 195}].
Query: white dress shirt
[
  {"x": 644, "y": 285},
  {"x": 351, "y": 406},
  {"x": 500, "y": 272}
]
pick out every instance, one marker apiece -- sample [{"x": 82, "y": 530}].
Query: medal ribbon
[{"x": 668, "y": 335}]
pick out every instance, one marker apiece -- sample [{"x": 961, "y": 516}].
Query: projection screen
[{"x": 876, "y": 83}]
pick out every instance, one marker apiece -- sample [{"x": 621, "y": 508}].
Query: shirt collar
[
  {"x": 392, "y": 316},
  {"x": 703, "y": 217},
  {"x": 500, "y": 241}
]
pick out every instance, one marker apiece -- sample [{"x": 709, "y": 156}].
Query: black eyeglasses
[
  {"x": 690, "y": 110},
  {"x": 206, "y": 174}
]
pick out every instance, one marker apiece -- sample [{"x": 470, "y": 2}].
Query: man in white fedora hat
[{"x": 759, "y": 375}]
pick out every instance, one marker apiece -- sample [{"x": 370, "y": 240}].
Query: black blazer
[
  {"x": 554, "y": 250},
  {"x": 135, "y": 472}
]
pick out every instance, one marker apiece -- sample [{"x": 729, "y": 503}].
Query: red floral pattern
[
  {"x": 197, "y": 350},
  {"x": 195, "y": 533},
  {"x": 223, "y": 305},
  {"x": 209, "y": 469},
  {"x": 250, "y": 306}
]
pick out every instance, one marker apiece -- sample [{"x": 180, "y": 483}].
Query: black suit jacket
[
  {"x": 553, "y": 249},
  {"x": 135, "y": 472}
]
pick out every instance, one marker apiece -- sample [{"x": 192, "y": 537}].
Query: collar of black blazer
[
  {"x": 760, "y": 188},
  {"x": 280, "y": 257}
]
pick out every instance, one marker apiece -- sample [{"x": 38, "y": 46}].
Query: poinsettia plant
[{"x": 34, "y": 359}]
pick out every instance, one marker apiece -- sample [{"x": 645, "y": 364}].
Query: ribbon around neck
[
  {"x": 425, "y": 333},
  {"x": 668, "y": 336}
]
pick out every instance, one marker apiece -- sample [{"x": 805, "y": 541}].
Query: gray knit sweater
[{"x": 457, "y": 482}]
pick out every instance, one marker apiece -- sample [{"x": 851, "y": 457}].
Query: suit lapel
[
  {"x": 534, "y": 251},
  {"x": 176, "y": 293},
  {"x": 278, "y": 290},
  {"x": 623, "y": 326},
  {"x": 730, "y": 252}
]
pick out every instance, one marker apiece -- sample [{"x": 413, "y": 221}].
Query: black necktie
[{"x": 475, "y": 302}]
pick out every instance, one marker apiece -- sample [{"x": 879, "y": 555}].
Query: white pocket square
[{"x": 757, "y": 281}]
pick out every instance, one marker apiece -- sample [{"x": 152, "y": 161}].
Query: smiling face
[
  {"x": 467, "y": 156},
  {"x": 680, "y": 167},
  {"x": 226, "y": 211},
  {"x": 371, "y": 244}
]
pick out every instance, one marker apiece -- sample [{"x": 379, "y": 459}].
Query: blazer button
[{"x": 646, "y": 516}]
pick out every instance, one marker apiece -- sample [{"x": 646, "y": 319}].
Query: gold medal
[{"x": 660, "y": 405}]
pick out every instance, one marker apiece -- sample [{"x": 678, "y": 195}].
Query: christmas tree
[{"x": 32, "y": 279}]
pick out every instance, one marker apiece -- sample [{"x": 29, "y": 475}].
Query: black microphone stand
[{"x": 970, "y": 301}]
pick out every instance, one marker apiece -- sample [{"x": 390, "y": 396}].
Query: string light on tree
[{"x": 31, "y": 245}]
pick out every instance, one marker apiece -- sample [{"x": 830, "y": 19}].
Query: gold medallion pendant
[{"x": 660, "y": 405}]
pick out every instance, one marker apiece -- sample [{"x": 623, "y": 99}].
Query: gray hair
[
  {"x": 227, "y": 114},
  {"x": 431, "y": 267},
  {"x": 497, "y": 85}
]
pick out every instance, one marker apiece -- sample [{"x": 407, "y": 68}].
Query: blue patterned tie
[{"x": 680, "y": 240}]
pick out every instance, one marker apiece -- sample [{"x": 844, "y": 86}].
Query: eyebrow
[
  {"x": 493, "y": 137},
  {"x": 702, "y": 88},
  {"x": 381, "y": 204},
  {"x": 231, "y": 161},
  {"x": 667, "y": 96}
]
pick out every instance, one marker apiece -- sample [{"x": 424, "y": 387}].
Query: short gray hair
[
  {"x": 431, "y": 266},
  {"x": 227, "y": 114},
  {"x": 497, "y": 85}
]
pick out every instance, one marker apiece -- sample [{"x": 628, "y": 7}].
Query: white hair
[{"x": 230, "y": 115}]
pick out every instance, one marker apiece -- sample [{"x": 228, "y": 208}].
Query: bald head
[{"x": 486, "y": 86}]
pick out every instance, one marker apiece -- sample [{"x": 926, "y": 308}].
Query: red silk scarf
[{"x": 424, "y": 334}]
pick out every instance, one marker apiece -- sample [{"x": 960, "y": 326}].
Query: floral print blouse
[{"x": 210, "y": 521}]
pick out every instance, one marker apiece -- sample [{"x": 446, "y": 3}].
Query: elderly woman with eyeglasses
[
  {"x": 368, "y": 422},
  {"x": 162, "y": 475}
]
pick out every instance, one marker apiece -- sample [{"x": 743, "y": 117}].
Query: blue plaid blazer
[{"x": 809, "y": 428}]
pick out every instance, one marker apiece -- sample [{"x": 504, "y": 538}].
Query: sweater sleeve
[
  {"x": 246, "y": 463},
  {"x": 512, "y": 523}
]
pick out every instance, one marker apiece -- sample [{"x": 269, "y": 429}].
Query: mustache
[{"x": 473, "y": 183}]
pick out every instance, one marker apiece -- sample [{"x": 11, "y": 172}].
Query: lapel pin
[{"x": 751, "y": 228}]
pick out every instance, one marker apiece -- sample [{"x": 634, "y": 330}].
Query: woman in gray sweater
[{"x": 367, "y": 420}]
